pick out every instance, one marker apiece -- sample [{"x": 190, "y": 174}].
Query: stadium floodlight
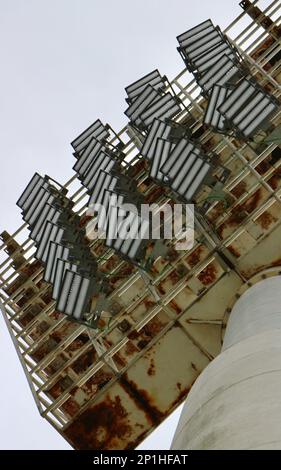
[
  {"x": 191, "y": 177},
  {"x": 159, "y": 129},
  {"x": 219, "y": 74},
  {"x": 194, "y": 48},
  {"x": 254, "y": 114},
  {"x": 87, "y": 156},
  {"x": 44, "y": 195},
  {"x": 213, "y": 117},
  {"x": 128, "y": 236},
  {"x": 103, "y": 161},
  {"x": 75, "y": 294},
  {"x": 153, "y": 78},
  {"x": 162, "y": 151},
  {"x": 108, "y": 219},
  {"x": 59, "y": 269},
  {"x": 186, "y": 169},
  {"x": 178, "y": 156},
  {"x": 55, "y": 251},
  {"x": 244, "y": 91},
  {"x": 49, "y": 212},
  {"x": 204, "y": 61},
  {"x": 51, "y": 232},
  {"x": 247, "y": 107},
  {"x": 104, "y": 180},
  {"x": 96, "y": 130},
  {"x": 196, "y": 32},
  {"x": 165, "y": 107},
  {"x": 27, "y": 196},
  {"x": 141, "y": 103}
]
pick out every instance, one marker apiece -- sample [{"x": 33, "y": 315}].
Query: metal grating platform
[{"x": 111, "y": 389}]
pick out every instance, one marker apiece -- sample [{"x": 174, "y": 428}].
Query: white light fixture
[
  {"x": 96, "y": 130},
  {"x": 48, "y": 213},
  {"x": 103, "y": 161},
  {"x": 178, "y": 156},
  {"x": 213, "y": 117},
  {"x": 162, "y": 151},
  {"x": 165, "y": 107},
  {"x": 87, "y": 156},
  {"x": 219, "y": 73},
  {"x": 158, "y": 129},
  {"x": 75, "y": 294},
  {"x": 127, "y": 236},
  {"x": 141, "y": 103},
  {"x": 186, "y": 169},
  {"x": 30, "y": 191},
  {"x": 104, "y": 180},
  {"x": 196, "y": 32},
  {"x": 51, "y": 232},
  {"x": 247, "y": 107},
  {"x": 41, "y": 198},
  {"x": 206, "y": 60},
  {"x": 55, "y": 251},
  {"x": 153, "y": 78},
  {"x": 58, "y": 274}
]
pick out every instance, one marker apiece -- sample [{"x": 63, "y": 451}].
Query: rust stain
[
  {"x": 266, "y": 220},
  {"x": 240, "y": 212},
  {"x": 130, "y": 348},
  {"x": 182, "y": 395},
  {"x": 148, "y": 304},
  {"x": 153, "y": 327},
  {"x": 263, "y": 166},
  {"x": 252, "y": 202},
  {"x": 195, "y": 256},
  {"x": 133, "y": 335},
  {"x": 96, "y": 382},
  {"x": 71, "y": 407},
  {"x": 239, "y": 189},
  {"x": 101, "y": 427},
  {"x": 174, "y": 276},
  {"x": 235, "y": 219},
  {"x": 233, "y": 251},
  {"x": 274, "y": 180},
  {"x": 175, "y": 306},
  {"x": 208, "y": 275},
  {"x": 161, "y": 288},
  {"x": 218, "y": 210},
  {"x": 154, "y": 195},
  {"x": 119, "y": 360},
  {"x": 143, "y": 343},
  {"x": 151, "y": 370},
  {"x": 84, "y": 362},
  {"x": 142, "y": 399},
  {"x": 82, "y": 339}
]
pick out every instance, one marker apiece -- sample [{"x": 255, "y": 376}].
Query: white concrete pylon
[{"x": 236, "y": 401}]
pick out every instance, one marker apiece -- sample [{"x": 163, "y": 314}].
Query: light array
[
  {"x": 148, "y": 101},
  {"x": 60, "y": 246},
  {"x": 176, "y": 161},
  {"x": 236, "y": 104}
]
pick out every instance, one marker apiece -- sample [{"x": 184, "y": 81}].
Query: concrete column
[{"x": 236, "y": 402}]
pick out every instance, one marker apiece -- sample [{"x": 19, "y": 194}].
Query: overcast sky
[{"x": 65, "y": 63}]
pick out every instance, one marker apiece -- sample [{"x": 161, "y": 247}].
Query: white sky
[{"x": 64, "y": 64}]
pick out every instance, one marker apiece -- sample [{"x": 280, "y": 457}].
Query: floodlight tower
[
  {"x": 112, "y": 334},
  {"x": 234, "y": 403}
]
